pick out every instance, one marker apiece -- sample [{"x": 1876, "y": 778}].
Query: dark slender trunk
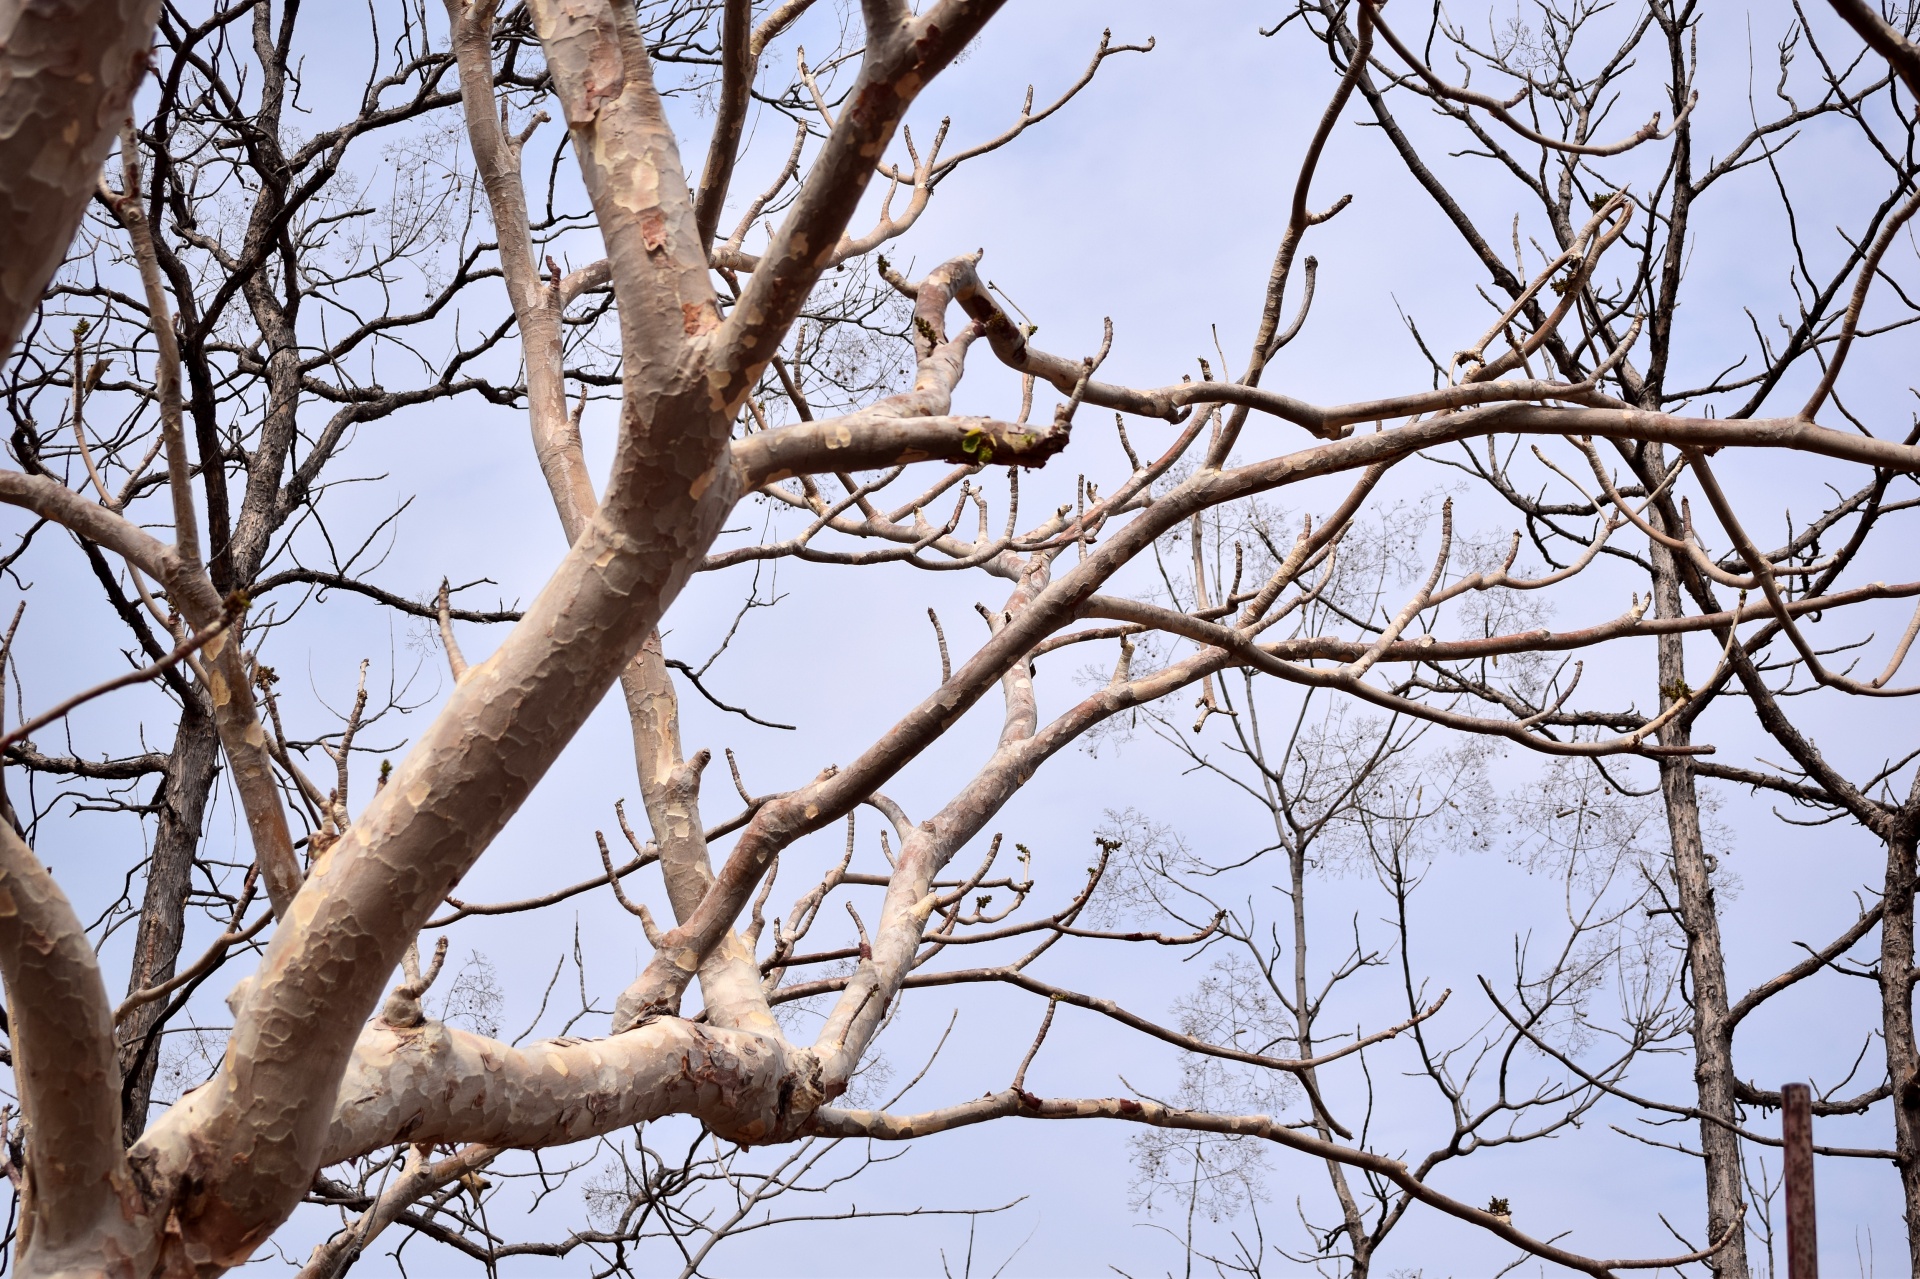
[
  {"x": 1896, "y": 1011},
  {"x": 163, "y": 912},
  {"x": 1706, "y": 962}
]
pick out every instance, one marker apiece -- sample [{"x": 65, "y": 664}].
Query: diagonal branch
[
  {"x": 181, "y": 653},
  {"x": 902, "y": 58},
  {"x": 421, "y": 1175},
  {"x": 737, "y": 59},
  {"x": 1901, "y": 53}
]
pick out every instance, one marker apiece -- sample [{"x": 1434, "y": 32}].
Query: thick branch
[
  {"x": 869, "y": 441},
  {"x": 1901, "y": 53},
  {"x": 68, "y": 72},
  {"x": 69, "y": 1077}
]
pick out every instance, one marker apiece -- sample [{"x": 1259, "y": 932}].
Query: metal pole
[{"x": 1796, "y": 1132}]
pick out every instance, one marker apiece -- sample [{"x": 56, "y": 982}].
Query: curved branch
[
  {"x": 68, "y": 1073},
  {"x": 1648, "y": 132},
  {"x": 29, "y": 757},
  {"x": 1189, "y": 1043},
  {"x": 433, "y": 1084}
]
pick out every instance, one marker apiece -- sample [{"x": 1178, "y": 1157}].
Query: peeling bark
[
  {"x": 1896, "y": 1012},
  {"x": 80, "y": 1203},
  {"x": 68, "y": 72},
  {"x": 1713, "y": 1024}
]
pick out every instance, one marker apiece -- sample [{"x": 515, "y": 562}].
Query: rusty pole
[{"x": 1796, "y": 1132}]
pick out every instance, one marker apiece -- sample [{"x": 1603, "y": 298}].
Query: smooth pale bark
[
  {"x": 504, "y": 724},
  {"x": 80, "y": 1199},
  {"x": 434, "y": 1083},
  {"x": 406, "y": 1080},
  {"x": 536, "y": 306},
  {"x": 68, "y": 72},
  {"x": 242, "y": 1150},
  {"x": 245, "y": 1147},
  {"x": 729, "y": 980},
  {"x": 926, "y": 849},
  {"x": 428, "y": 1081},
  {"x": 730, "y": 983}
]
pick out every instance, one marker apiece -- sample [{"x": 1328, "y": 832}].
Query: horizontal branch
[
  {"x": 341, "y": 582},
  {"x": 1429, "y": 648},
  {"x": 1188, "y": 1043},
  {"x": 434, "y": 1084},
  {"x": 865, "y": 442},
  {"x": 463, "y": 909},
  {"x": 126, "y": 768},
  {"x": 831, "y": 1121}
]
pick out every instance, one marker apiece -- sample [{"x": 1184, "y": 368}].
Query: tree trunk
[
  {"x": 156, "y": 948},
  {"x": 1706, "y": 963},
  {"x": 1896, "y": 1010}
]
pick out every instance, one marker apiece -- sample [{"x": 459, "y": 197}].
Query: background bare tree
[{"x": 1570, "y": 65}]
